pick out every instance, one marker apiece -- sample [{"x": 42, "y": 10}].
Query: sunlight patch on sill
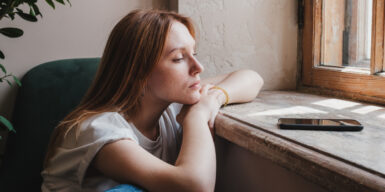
[
  {"x": 367, "y": 109},
  {"x": 287, "y": 111},
  {"x": 382, "y": 116},
  {"x": 336, "y": 103},
  {"x": 355, "y": 70},
  {"x": 363, "y": 71}
]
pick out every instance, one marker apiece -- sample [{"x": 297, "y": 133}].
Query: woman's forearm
[
  {"x": 197, "y": 154},
  {"x": 242, "y": 86}
]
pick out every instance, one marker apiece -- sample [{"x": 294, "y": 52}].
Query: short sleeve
[{"x": 97, "y": 132}]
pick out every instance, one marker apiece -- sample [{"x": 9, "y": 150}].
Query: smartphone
[{"x": 320, "y": 124}]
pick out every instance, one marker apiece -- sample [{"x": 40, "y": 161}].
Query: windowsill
[{"x": 338, "y": 161}]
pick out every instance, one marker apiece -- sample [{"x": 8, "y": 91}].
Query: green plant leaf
[
  {"x": 31, "y": 11},
  {"x": 68, "y": 1},
  {"x": 9, "y": 83},
  {"x": 3, "y": 69},
  {"x": 1, "y": 55},
  {"x": 16, "y": 80},
  {"x": 50, "y": 2},
  {"x": 36, "y": 9},
  {"x": 11, "y": 15},
  {"x": 26, "y": 16},
  {"x": 60, "y": 1},
  {"x": 11, "y": 32},
  {"x": 7, "y": 124}
]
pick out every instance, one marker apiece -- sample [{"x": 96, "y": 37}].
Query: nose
[{"x": 196, "y": 67}]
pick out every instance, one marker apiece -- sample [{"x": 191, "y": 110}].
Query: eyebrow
[{"x": 175, "y": 49}]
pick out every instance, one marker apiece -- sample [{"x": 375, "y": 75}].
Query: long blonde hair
[{"x": 133, "y": 48}]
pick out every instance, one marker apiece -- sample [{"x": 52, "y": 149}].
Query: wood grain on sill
[{"x": 350, "y": 161}]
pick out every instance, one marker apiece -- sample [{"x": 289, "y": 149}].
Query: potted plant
[{"x": 8, "y": 10}]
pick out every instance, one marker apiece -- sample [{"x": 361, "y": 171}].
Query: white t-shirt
[{"x": 68, "y": 167}]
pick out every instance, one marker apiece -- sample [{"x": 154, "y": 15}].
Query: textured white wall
[
  {"x": 66, "y": 32},
  {"x": 254, "y": 34}
]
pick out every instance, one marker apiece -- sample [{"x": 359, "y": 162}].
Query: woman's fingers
[
  {"x": 212, "y": 118},
  {"x": 205, "y": 88},
  {"x": 208, "y": 105},
  {"x": 211, "y": 123}
]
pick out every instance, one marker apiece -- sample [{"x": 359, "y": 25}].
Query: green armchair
[{"x": 49, "y": 92}]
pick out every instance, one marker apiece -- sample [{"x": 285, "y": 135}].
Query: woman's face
[{"x": 176, "y": 77}]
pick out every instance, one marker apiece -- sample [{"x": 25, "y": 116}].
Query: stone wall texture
[{"x": 254, "y": 34}]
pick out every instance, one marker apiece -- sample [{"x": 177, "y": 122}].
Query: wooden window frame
[{"x": 342, "y": 81}]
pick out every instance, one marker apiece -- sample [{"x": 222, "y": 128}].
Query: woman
[{"x": 125, "y": 130}]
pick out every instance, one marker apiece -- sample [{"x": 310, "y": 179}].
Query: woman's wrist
[
  {"x": 194, "y": 116},
  {"x": 223, "y": 96}
]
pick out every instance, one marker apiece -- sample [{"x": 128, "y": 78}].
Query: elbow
[
  {"x": 256, "y": 81},
  {"x": 195, "y": 181},
  {"x": 202, "y": 184}
]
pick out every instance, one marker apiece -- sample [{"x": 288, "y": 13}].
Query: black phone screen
[{"x": 320, "y": 124}]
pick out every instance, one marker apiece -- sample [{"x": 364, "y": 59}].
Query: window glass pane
[{"x": 346, "y": 33}]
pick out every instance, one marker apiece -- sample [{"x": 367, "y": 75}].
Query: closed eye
[{"x": 177, "y": 60}]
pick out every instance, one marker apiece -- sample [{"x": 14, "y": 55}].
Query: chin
[{"x": 192, "y": 99}]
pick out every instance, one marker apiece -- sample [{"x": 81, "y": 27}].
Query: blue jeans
[{"x": 125, "y": 188}]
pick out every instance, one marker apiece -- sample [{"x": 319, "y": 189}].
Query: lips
[{"x": 196, "y": 84}]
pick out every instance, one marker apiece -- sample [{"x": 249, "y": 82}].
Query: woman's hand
[{"x": 206, "y": 108}]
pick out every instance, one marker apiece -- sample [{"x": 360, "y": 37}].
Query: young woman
[{"x": 130, "y": 125}]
